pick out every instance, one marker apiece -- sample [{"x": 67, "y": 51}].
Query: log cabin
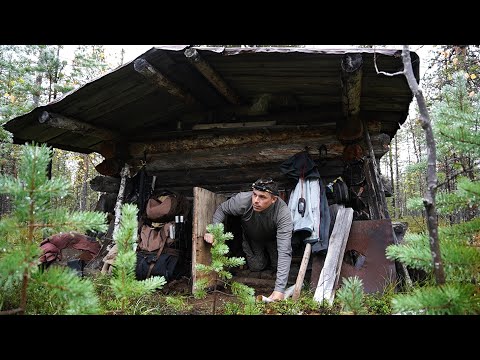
[{"x": 209, "y": 121}]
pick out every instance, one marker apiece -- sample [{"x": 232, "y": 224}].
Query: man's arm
[
  {"x": 235, "y": 206},
  {"x": 284, "y": 248}
]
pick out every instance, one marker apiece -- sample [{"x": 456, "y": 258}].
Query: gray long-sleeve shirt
[{"x": 273, "y": 223}]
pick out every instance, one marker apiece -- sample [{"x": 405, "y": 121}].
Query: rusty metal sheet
[{"x": 365, "y": 256}]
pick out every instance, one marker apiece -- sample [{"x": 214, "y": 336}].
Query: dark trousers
[{"x": 259, "y": 256}]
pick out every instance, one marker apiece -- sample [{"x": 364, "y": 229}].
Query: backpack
[
  {"x": 155, "y": 238},
  {"x": 167, "y": 264},
  {"x": 337, "y": 190},
  {"x": 164, "y": 206}
]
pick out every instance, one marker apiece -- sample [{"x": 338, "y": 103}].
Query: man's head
[{"x": 265, "y": 193}]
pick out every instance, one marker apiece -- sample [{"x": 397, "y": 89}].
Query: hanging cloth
[
  {"x": 298, "y": 164},
  {"x": 308, "y": 224}
]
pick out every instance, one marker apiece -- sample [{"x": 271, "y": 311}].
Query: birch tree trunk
[
  {"x": 396, "y": 197},
  {"x": 392, "y": 183},
  {"x": 121, "y": 193},
  {"x": 429, "y": 199},
  {"x": 84, "y": 194}
]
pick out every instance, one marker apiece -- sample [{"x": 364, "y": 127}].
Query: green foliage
[
  {"x": 304, "y": 305},
  {"x": 460, "y": 260},
  {"x": 419, "y": 168},
  {"x": 456, "y": 124},
  {"x": 378, "y": 303},
  {"x": 415, "y": 203},
  {"x": 246, "y": 295},
  {"x": 89, "y": 63},
  {"x": 351, "y": 295},
  {"x": 178, "y": 304},
  {"x": 61, "y": 291},
  {"x": 456, "y": 128},
  {"x": 416, "y": 224},
  {"x": 32, "y": 220},
  {"x": 218, "y": 267},
  {"x": 123, "y": 282},
  {"x": 449, "y": 299}
]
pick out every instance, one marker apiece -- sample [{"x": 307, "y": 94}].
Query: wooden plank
[
  {"x": 333, "y": 262},
  {"x": 204, "y": 205}
]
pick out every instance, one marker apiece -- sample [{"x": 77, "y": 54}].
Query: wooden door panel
[{"x": 205, "y": 203}]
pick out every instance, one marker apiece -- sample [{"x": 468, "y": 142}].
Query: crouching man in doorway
[{"x": 266, "y": 230}]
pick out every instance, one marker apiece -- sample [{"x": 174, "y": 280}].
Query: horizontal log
[
  {"x": 234, "y": 157},
  {"x": 213, "y": 141},
  {"x": 62, "y": 122},
  {"x": 235, "y": 125},
  {"x": 153, "y": 135},
  {"x": 247, "y": 155}
]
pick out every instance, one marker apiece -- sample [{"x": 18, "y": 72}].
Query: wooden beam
[
  {"x": 225, "y": 131},
  {"x": 245, "y": 155},
  {"x": 143, "y": 67},
  {"x": 230, "y": 152},
  {"x": 62, "y": 122},
  {"x": 235, "y": 125},
  {"x": 333, "y": 262},
  {"x": 252, "y": 137},
  {"x": 351, "y": 127},
  {"x": 205, "y": 203},
  {"x": 212, "y": 76},
  {"x": 351, "y": 83}
]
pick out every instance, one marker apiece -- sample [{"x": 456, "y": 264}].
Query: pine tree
[
  {"x": 21, "y": 232},
  {"x": 219, "y": 268},
  {"x": 457, "y": 131},
  {"x": 350, "y": 296},
  {"x": 123, "y": 282}
]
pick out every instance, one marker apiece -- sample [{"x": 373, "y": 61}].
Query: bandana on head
[{"x": 265, "y": 185}]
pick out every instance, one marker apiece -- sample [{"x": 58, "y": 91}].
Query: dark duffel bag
[{"x": 150, "y": 264}]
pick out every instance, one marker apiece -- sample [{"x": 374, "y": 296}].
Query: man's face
[{"x": 262, "y": 200}]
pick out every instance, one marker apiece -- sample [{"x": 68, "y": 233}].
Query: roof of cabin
[{"x": 171, "y": 93}]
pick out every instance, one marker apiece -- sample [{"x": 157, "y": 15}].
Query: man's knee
[
  {"x": 256, "y": 261},
  {"x": 255, "y": 264}
]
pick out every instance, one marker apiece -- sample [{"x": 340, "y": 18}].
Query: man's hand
[
  {"x": 277, "y": 295},
  {"x": 208, "y": 238}
]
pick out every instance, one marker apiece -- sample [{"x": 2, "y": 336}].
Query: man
[{"x": 266, "y": 228}]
